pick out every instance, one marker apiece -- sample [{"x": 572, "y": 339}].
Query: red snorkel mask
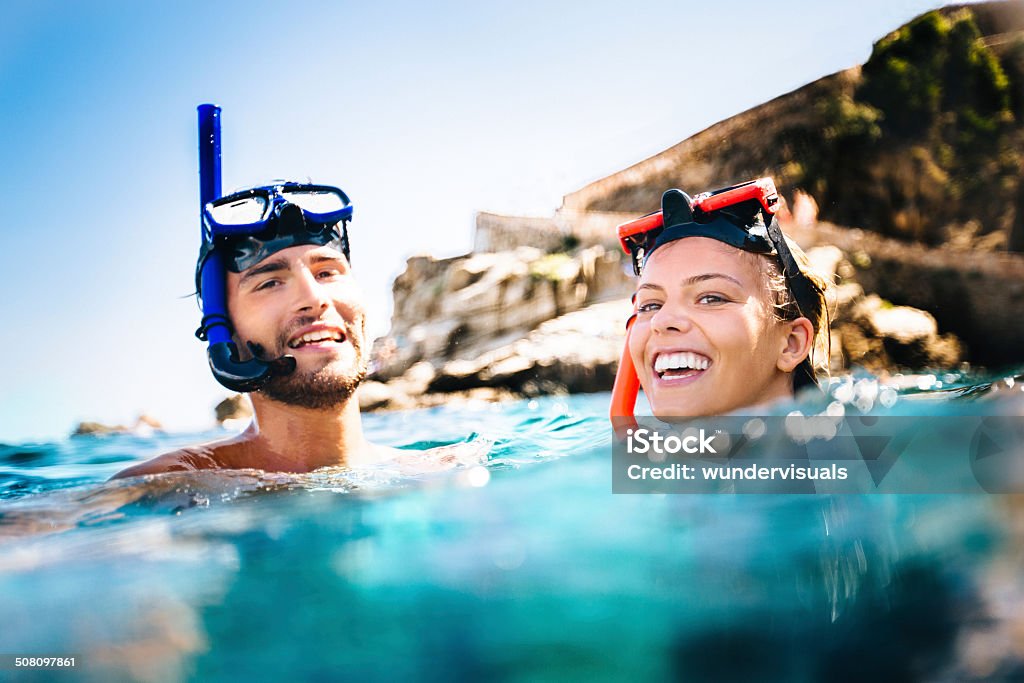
[{"x": 742, "y": 216}]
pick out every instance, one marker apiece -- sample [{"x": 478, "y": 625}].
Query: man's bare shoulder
[
  {"x": 208, "y": 456},
  {"x": 181, "y": 460}
]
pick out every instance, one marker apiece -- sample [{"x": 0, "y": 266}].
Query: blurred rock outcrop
[
  {"x": 144, "y": 425},
  {"x": 233, "y": 410},
  {"x": 876, "y": 335}
]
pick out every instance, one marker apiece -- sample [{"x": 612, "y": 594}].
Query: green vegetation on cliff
[
  {"x": 927, "y": 144},
  {"x": 923, "y": 142}
]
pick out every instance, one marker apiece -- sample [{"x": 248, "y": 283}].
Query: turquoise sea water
[{"x": 527, "y": 568}]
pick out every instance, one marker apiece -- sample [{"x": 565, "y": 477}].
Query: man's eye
[
  {"x": 649, "y": 307},
  {"x": 268, "y": 284},
  {"x": 328, "y": 274}
]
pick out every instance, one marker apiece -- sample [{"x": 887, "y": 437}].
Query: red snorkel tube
[
  {"x": 627, "y": 383},
  {"x": 624, "y": 393}
]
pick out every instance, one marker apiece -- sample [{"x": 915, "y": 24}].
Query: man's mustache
[{"x": 351, "y": 329}]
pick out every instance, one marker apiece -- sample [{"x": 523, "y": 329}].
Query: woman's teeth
[
  {"x": 675, "y": 364},
  {"x": 313, "y": 337}
]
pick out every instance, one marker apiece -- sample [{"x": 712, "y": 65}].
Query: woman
[{"x": 728, "y": 314}]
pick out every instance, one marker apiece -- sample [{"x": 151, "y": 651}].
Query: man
[{"x": 286, "y": 323}]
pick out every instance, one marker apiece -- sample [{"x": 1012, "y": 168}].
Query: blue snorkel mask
[{"x": 239, "y": 231}]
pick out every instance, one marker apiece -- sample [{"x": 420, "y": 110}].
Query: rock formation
[
  {"x": 233, "y": 411},
  {"x": 458, "y": 309},
  {"x": 143, "y": 426},
  {"x": 499, "y": 343}
]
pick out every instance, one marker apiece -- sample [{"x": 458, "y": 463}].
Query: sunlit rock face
[{"x": 460, "y": 309}]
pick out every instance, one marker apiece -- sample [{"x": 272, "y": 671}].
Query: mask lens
[
  {"x": 315, "y": 201},
  {"x": 245, "y": 211}
]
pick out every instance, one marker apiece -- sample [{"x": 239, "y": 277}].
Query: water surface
[{"x": 523, "y": 568}]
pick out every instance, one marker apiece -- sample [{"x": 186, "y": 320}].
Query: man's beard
[{"x": 320, "y": 389}]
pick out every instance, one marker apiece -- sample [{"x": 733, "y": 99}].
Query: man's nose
[
  {"x": 311, "y": 295},
  {"x": 671, "y": 318}
]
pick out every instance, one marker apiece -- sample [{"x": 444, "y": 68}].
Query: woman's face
[{"x": 705, "y": 340}]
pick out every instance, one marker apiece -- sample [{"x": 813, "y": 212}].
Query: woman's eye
[
  {"x": 712, "y": 299},
  {"x": 649, "y": 307}
]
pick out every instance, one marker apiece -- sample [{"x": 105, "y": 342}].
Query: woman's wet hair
[{"x": 785, "y": 308}]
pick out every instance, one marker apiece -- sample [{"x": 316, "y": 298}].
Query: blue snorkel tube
[{"x": 227, "y": 368}]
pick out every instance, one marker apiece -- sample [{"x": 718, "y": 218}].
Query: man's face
[{"x": 303, "y": 301}]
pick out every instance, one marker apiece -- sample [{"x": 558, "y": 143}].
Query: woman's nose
[{"x": 671, "y": 319}]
